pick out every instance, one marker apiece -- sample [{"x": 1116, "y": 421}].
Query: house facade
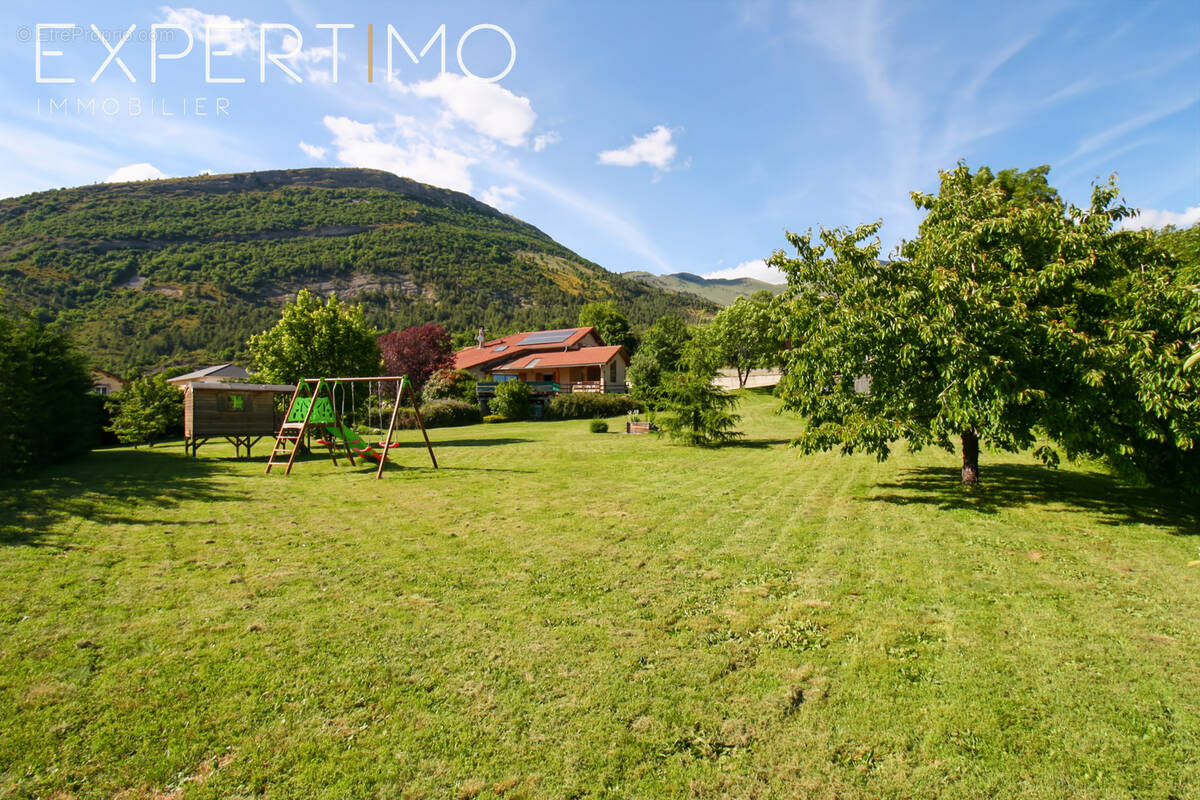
[
  {"x": 588, "y": 369},
  {"x": 105, "y": 383},
  {"x": 551, "y": 362}
]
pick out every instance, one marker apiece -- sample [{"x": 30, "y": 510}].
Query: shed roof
[
  {"x": 225, "y": 386},
  {"x": 218, "y": 371}
]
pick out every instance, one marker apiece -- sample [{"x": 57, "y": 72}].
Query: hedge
[{"x": 584, "y": 405}]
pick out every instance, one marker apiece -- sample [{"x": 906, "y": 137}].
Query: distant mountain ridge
[
  {"x": 722, "y": 291},
  {"x": 182, "y": 271}
]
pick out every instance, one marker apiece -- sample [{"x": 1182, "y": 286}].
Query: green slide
[{"x": 353, "y": 441}]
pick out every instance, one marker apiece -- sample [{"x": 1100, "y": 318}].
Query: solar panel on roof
[
  {"x": 500, "y": 349},
  {"x": 548, "y": 337},
  {"x": 533, "y": 363}
]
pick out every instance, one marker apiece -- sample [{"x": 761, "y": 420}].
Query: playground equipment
[
  {"x": 242, "y": 413},
  {"x": 314, "y": 404}
]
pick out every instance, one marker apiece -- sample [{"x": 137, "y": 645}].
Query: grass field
[{"x": 557, "y": 614}]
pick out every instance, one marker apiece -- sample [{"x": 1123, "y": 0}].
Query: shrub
[
  {"x": 449, "y": 413},
  {"x": 146, "y": 410},
  {"x": 450, "y": 384},
  {"x": 512, "y": 400},
  {"x": 696, "y": 412},
  {"x": 584, "y": 405},
  {"x": 598, "y": 426},
  {"x": 495, "y": 418}
]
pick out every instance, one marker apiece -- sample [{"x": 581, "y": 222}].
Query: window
[
  {"x": 612, "y": 372},
  {"x": 235, "y": 402}
]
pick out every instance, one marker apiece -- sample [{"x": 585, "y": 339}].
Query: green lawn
[{"x": 557, "y": 613}]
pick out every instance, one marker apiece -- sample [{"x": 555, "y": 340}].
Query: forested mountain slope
[{"x": 182, "y": 271}]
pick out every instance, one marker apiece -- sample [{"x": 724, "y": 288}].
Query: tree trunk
[{"x": 970, "y": 456}]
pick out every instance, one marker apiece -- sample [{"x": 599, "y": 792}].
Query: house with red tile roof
[{"x": 563, "y": 360}]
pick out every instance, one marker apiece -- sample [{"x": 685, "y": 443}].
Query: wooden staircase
[{"x": 291, "y": 434}]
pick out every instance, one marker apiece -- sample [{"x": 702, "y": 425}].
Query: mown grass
[{"x": 557, "y": 613}]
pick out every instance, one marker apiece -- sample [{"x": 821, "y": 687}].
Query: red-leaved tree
[{"x": 417, "y": 352}]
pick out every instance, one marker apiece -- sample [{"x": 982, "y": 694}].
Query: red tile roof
[
  {"x": 583, "y": 357},
  {"x": 510, "y": 346}
]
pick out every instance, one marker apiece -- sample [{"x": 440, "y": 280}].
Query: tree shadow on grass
[
  {"x": 1004, "y": 486},
  {"x": 110, "y": 487},
  {"x": 756, "y": 444}
]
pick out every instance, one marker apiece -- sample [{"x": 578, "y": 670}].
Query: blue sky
[{"x": 682, "y": 136}]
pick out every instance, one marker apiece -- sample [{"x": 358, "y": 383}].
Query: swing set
[{"x": 315, "y": 404}]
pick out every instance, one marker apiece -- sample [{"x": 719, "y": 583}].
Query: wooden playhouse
[{"x": 242, "y": 413}]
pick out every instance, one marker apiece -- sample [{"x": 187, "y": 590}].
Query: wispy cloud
[
  {"x": 655, "y": 149},
  {"x": 597, "y": 214},
  {"x": 756, "y": 268},
  {"x": 235, "y": 35},
  {"x": 1156, "y": 218},
  {"x": 1099, "y": 139},
  {"x": 313, "y": 151},
  {"x": 136, "y": 172},
  {"x": 402, "y": 149},
  {"x": 502, "y": 197}
]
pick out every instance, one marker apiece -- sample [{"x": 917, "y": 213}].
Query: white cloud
[
  {"x": 655, "y": 149},
  {"x": 502, "y": 197},
  {"x": 400, "y": 149},
  {"x": 136, "y": 172},
  {"x": 224, "y": 36},
  {"x": 205, "y": 172},
  {"x": 313, "y": 151},
  {"x": 758, "y": 268},
  {"x": 488, "y": 108},
  {"x": 1154, "y": 218},
  {"x": 544, "y": 140}
]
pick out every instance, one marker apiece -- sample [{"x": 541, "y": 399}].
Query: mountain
[
  {"x": 182, "y": 271},
  {"x": 722, "y": 291}
]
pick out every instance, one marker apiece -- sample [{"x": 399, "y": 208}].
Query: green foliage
[
  {"x": 743, "y": 336},
  {"x": 695, "y": 412},
  {"x": 666, "y": 341},
  {"x": 450, "y": 384},
  {"x": 450, "y": 413},
  {"x": 512, "y": 401},
  {"x": 146, "y": 410},
  {"x": 645, "y": 377},
  {"x": 1010, "y": 315},
  {"x": 46, "y": 413},
  {"x": 609, "y": 322},
  {"x": 184, "y": 271},
  {"x": 585, "y": 405},
  {"x": 598, "y": 426},
  {"x": 316, "y": 340}
]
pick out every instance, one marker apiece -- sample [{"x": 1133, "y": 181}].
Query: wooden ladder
[{"x": 287, "y": 441}]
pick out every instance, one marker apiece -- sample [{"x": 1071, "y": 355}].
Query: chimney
[{"x": 479, "y": 337}]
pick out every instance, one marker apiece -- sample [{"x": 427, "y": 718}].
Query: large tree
[
  {"x": 609, "y": 322},
  {"x": 46, "y": 413},
  {"x": 743, "y": 335},
  {"x": 1010, "y": 315},
  {"x": 418, "y": 352},
  {"x": 316, "y": 340}
]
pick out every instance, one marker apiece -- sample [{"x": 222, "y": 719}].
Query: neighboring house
[
  {"x": 221, "y": 372},
  {"x": 482, "y": 359},
  {"x": 588, "y": 369},
  {"x": 564, "y": 360},
  {"x": 105, "y": 383}
]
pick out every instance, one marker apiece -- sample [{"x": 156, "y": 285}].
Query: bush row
[{"x": 586, "y": 406}]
